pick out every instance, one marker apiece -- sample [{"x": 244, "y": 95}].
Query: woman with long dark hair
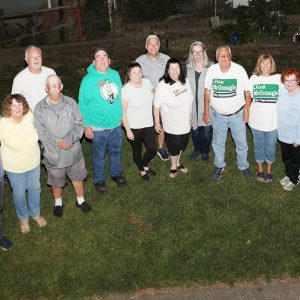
[{"x": 173, "y": 100}]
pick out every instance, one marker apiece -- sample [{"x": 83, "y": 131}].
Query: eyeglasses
[
  {"x": 290, "y": 80},
  {"x": 197, "y": 52}
]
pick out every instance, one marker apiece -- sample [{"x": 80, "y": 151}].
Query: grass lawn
[{"x": 152, "y": 234}]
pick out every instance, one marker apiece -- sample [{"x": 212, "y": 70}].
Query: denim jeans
[
  {"x": 108, "y": 140},
  {"x": 236, "y": 124},
  {"x": 202, "y": 137},
  {"x": 264, "y": 145},
  {"x": 20, "y": 183}
]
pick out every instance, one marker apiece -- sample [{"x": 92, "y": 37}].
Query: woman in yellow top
[{"x": 21, "y": 158}]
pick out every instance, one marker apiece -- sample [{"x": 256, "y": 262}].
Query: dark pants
[
  {"x": 142, "y": 136},
  {"x": 202, "y": 137},
  {"x": 291, "y": 160},
  {"x": 176, "y": 142}
]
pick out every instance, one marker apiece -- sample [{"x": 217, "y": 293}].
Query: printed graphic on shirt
[
  {"x": 224, "y": 88},
  {"x": 108, "y": 90},
  {"x": 265, "y": 93},
  {"x": 179, "y": 91}
]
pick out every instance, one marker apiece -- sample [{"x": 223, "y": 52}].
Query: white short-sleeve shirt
[
  {"x": 227, "y": 89},
  {"x": 175, "y": 103},
  {"x": 139, "y": 104}
]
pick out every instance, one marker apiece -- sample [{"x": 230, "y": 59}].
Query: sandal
[
  {"x": 183, "y": 169},
  {"x": 269, "y": 178},
  {"x": 260, "y": 177},
  {"x": 173, "y": 173},
  {"x": 24, "y": 226}
]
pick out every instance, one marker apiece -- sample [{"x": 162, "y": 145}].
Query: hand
[
  {"x": 62, "y": 144},
  {"x": 157, "y": 128},
  {"x": 206, "y": 117},
  {"x": 88, "y": 133},
  {"x": 130, "y": 135}
]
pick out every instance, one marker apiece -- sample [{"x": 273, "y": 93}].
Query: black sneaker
[
  {"x": 247, "y": 173},
  {"x": 163, "y": 154},
  {"x": 5, "y": 243},
  {"x": 101, "y": 188},
  {"x": 216, "y": 175},
  {"x": 119, "y": 180},
  {"x": 84, "y": 206},
  {"x": 58, "y": 211}
]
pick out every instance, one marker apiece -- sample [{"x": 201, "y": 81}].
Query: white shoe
[
  {"x": 285, "y": 180},
  {"x": 289, "y": 186}
]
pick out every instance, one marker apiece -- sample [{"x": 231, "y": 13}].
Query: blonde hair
[
  {"x": 263, "y": 57},
  {"x": 190, "y": 63}
]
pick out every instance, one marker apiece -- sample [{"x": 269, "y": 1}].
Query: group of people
[{"x": 159, "y": 103}]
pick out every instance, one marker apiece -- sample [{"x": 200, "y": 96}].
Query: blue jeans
[
  {"x": 264, "y": 145},
  {"x": 202, "y": 137},
  {"x": 236, "y": 124},
  {"x": 108, "y": 140},
  {"x": 20, "y": 183}
]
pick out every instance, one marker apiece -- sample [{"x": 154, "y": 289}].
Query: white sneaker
[
  {"x": 285, "y": 180},
  {"x": 289, "y": 186}
]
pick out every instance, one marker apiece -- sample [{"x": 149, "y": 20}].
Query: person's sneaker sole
[{"x": 285, "y": 180}]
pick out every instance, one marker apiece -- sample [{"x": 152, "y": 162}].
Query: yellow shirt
[{"x": 20, "y": 150}]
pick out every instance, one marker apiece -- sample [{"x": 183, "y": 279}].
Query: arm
[
  {"x": 88, "y": 132},
  {"x": 247, "y": 106},
  {"x": 206, "y": 116},
  {"x": 44, "y": 135},
  {"x": 157, "y": 126},
  {"x": 75, "y": 134},
  {"x": 129, "y": 133}
]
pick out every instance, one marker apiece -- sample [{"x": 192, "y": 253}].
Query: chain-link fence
[
  {"x": 101, "y": 17},
  {"x": 96, "y": 18}
]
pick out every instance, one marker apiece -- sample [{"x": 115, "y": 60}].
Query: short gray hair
[
  {"x": 31, "y": 47},
  {"x": 152, "y": 36},
  {"x": 52, "y": 76},
  {"x": 223, "y": 47}
]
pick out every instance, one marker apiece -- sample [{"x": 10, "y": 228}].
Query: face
[
  {"x": 135, "y": 75},
  {"x": 291, "y": 83},
  {"x": 174, "y": 71},
  {"x": 197, "y": 52},
  {"x": 54, "y": 87},
  {"x": 224, "y": 58},
  {"x": 265, "y": 67},
  {"x": 16, "y": 109},
  {"x": 101, "y": 61},
  {"x": 152, "y": 47},
  {"x": 33, "y": 58}
]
